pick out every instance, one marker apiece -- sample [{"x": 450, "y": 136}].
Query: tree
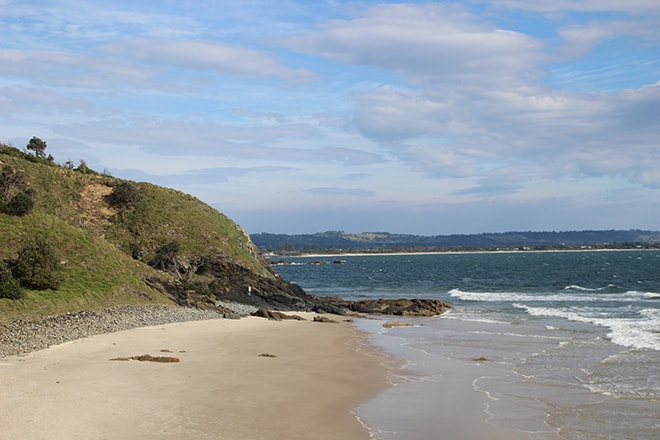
[
  {"x": 37, "y": 265},
  {"x": 38, "y": 146}
]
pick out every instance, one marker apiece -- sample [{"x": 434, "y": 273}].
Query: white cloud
[
  {"x": 66, "y": 69},
  {"x": 429, "y": 43},
  {"x": 206, "y": 55},
  {"x": 568, "y": 133},
  {"x": 476, "y": 102},
  {"x": 546, "y": 6}
]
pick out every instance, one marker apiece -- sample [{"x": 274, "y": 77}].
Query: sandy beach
[{"x": 235, "y": 379}]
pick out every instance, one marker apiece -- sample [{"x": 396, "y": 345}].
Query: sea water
[{"x": 557, "y": 345}]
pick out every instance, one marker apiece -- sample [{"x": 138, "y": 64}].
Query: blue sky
[{"x": 305, "y": 116}]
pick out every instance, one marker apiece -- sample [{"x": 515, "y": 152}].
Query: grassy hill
[{"x": 153, "y": 250}]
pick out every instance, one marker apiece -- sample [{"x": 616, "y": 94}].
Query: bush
[
  {"x": 84, "y": 169},
  {"x": 20, "y": 204},
  {"x": 15, "y": 195},
  {"x": 38, "y": 265},
  {"x": 124, "y": 194},
  {"x": 10, "y": 150},
  {"x": 9, "y": 286},
  {"x": 166, "y": 256}
]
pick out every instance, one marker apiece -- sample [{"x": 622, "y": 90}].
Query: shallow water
[{"x": 571, "y": 341}]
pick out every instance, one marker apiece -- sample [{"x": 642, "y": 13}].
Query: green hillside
[{"x": 148, "y": 247}]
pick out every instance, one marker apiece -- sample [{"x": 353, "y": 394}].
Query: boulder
[
  {"x": 324, "y": 319},
  {"x": 275, "y": 315}
]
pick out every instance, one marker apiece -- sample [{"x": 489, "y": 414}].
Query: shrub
[
  {"x": 9, "y": 286},
  {"x": 166, "y": 256},
  {"x": 15, "y": 195},
  {"x": 11, "y": 180},
  {"x": 84, "y": 169},
  {"x": 10, "y": 150},
  {"x": 37, "y": 265},
  {"x": 124, "y": 194},
  {"x": 19, "y": 205}
]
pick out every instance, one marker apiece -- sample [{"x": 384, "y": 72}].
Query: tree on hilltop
[{"x": 38, "y": 146}]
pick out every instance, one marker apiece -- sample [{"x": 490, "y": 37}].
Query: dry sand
[{"x": 220, "y": 389}]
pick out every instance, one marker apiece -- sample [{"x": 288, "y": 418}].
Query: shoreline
[
  {"x": 441, "y": 386},
  {"x": 505, "y": 251},
  {"x": 250, "y": 378}
]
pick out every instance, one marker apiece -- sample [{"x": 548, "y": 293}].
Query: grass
[
  {"x": 96, "y": 274},
  {"x": 95, "y": 241}
]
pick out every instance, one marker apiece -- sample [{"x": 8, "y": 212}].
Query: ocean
[{"x": 538, "y": 345}]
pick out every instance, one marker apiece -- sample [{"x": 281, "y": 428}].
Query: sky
[{"x": 300, "y": 116}]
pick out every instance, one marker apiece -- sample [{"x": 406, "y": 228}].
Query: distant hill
[{"x": 333, "y": 241}]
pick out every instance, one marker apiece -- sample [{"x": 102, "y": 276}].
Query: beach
[{"x": 251, "y": 378}]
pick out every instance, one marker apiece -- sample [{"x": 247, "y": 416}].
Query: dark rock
[
  {"x": 324, "y": 319},
  {"x": 148, "y": 358},
  {"x": 276, "y": 294},
  {"x": 400, "y": 307},
  {"x": 275, "y": 315},
  {"x": 231, "y": 315}
]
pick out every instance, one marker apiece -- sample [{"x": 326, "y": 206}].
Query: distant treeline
[{"x": 338, "y": 241}]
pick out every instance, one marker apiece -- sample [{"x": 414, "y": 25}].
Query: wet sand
[
  {"x": 439, "y": 394},
  {"x": 236, "y": 379}
]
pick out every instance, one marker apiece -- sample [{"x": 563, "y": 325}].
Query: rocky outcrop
[
  {"x": 325, "y": 319},
  {"x": 275, "y": 315},
  {"x": 237, "y": 284},
  {"x": 233, "y": 283},
  {"x": 401, "y": 307}
]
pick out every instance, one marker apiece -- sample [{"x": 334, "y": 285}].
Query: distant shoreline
[{"x": 503, "y": 251}]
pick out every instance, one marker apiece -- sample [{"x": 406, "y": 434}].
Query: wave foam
[
  {"x": 630, "y": 295},
  {"x": 640, "y": 332}
]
